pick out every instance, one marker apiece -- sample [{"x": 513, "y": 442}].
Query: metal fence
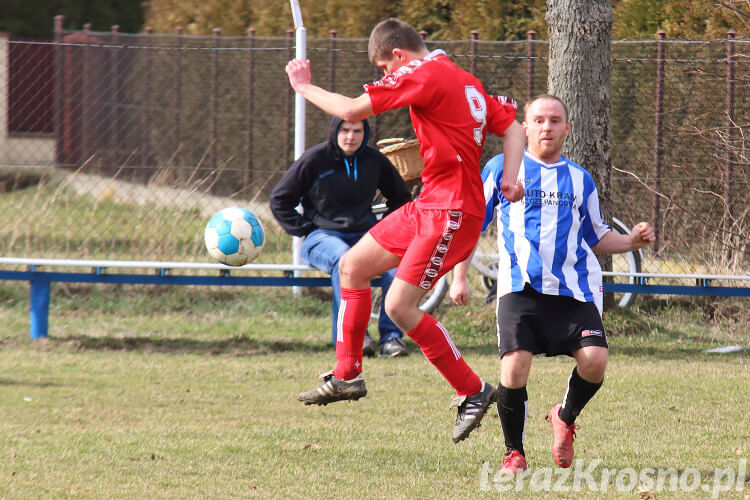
[{"x": 153, "y": 133}]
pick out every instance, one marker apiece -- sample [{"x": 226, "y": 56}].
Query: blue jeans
[{"x": 322, "y": 249}]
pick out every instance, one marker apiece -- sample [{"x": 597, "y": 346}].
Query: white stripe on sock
[
  {"x": 456, "y": 354},
  {"x": 340, "y": 322}
]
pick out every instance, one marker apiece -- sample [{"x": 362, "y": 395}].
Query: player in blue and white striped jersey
[
  {"x": 549, "y": 281},
  {"x": 547, "y": 237}
]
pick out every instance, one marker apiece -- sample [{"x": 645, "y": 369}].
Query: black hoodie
[{"x": 336, "y": 191}]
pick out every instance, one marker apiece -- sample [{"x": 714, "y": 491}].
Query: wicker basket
[{"x": 404, "y": 154}]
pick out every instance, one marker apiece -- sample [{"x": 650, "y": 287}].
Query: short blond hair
[
  {"x": 393, "y": 34},
  {"x": 546, "y": 96}
]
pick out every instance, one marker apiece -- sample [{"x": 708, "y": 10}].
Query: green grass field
[
  {"x": 183, "y": 392},
  {"x": 146, "y": 392}
]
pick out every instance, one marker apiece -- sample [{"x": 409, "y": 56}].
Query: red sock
[
  {"x": 432, "y": 337},
  {"x": 354, "y": 314}
]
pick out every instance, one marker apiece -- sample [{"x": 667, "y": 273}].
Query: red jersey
[{"x": 451, "y": 114}]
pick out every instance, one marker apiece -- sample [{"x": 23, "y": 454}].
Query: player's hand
[
  {"x": 299, "y": 74},
  {"x": 641, "y": 235},
  {"x": 459, "y": 291},
  {"x": 512, "y": 192}
]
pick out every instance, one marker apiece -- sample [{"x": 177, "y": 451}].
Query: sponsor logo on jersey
[{"x": 588, "y": 333}]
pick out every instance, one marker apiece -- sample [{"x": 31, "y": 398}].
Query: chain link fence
[{"x": 147, "y": 135}]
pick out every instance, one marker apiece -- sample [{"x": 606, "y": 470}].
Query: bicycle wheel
[
  {"x": 485, "y": 257},
  {"x": 628, "y": 262},
  {"x": 429, "y": 303},
  {"x": 486, "y": 265},
  {"x": 435, "y": 296}
]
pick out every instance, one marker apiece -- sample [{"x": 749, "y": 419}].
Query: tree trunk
[{"x": 580, "y": 32}]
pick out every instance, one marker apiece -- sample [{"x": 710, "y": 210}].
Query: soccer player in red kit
[{"x": 451, "y": 114}]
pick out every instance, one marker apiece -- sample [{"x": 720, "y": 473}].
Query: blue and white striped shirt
[{"x": 545, "y": 239}]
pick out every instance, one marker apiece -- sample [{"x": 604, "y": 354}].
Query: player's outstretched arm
[
  {"x": 641, "y": 235},
  {"x": 514, "y": 140},
  {"x": 347, "y": 108}
]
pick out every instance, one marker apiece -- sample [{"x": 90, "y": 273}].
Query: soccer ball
[{"x": 234, "y": 236}]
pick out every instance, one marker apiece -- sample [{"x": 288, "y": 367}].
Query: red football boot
[
  {"x": 513, "y": 463},
  {"x": 562, "y": 438}
]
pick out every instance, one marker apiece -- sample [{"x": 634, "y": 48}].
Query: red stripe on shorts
[{"x": 441, "y": 249}]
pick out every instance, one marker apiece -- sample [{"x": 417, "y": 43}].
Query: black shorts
[{"x": 548, "y": 324}]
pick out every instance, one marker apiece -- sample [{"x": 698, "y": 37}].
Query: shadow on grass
[
  {"x": 643, "y": 332},
  {"x": 634, "y": 332},
  {"x": 653, "y": 350},
  {"x": 671, "y": 352},
  {"x": 662, "y": 343},
  {"x": 26, "y": 383},
  {"x": 235, "y": 346}
]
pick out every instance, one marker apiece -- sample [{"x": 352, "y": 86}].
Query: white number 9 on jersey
[{"x": 478, "y": 108}]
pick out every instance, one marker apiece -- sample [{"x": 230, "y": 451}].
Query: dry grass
[{"x": 190, "y": 392}]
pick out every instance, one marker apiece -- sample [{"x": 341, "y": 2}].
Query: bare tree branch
[
  {"x": 739, "y": 13},
  {"x": 669, "y": 199},
  {"x": 732, "y": 8}
]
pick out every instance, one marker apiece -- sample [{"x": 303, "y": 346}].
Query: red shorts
[{"x": 430, "y": 242}]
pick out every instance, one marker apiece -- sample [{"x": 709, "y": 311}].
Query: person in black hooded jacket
[{"x": 335, "y": 183}]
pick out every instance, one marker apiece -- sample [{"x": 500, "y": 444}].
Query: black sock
[
  {"x": 512, "y": 409},
  {"x": 578, "y": 394}
]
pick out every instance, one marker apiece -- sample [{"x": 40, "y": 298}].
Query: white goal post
[{"x": 299, "y": 122}]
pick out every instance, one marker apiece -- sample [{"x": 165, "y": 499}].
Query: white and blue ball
[{"x": 234, "y": 236}]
